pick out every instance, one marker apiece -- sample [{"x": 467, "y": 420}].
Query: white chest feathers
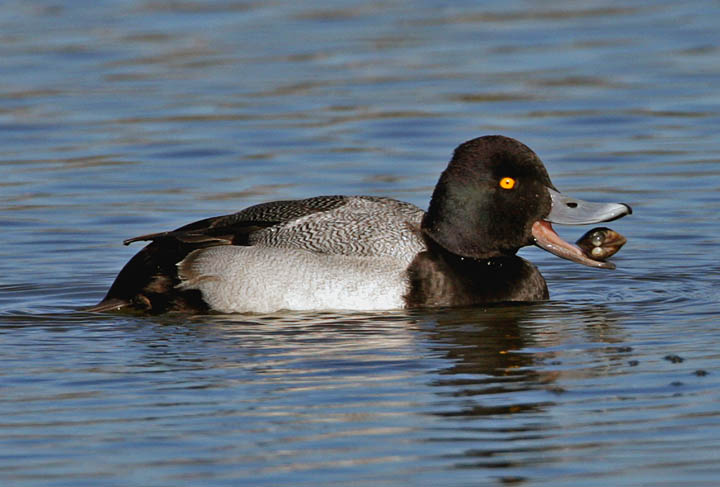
[{"x": 262, "y": 279}]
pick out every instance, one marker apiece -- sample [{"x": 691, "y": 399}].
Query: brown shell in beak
[
  {"x": 547, "y": 239},
  {"x": 601, "y": 243}
]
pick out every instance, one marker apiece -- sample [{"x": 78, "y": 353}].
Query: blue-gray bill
[{"x": 566, "y": 210}]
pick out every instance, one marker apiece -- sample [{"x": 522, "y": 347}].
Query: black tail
[{"x": 147, "y": 283}]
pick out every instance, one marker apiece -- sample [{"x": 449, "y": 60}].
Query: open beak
[{"x": 571, "y": 211}]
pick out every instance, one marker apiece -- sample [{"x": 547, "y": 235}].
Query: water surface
[{"x": 124, "y": 118}]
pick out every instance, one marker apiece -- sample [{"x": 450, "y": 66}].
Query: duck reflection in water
[
  {"x": 507, "y": 377},
  {"x": 499, "y": 351}
]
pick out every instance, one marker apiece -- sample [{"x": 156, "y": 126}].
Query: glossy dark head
[
  {"x": 476, "y": 211},
  {"x": 496, "y": 196}
]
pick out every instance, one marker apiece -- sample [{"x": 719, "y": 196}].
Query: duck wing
[
  {"x": 343, "y": 225},
  {"x": 147, "y": 282}
]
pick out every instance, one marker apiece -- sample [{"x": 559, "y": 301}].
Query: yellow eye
[{"x": 507, "y": 183}]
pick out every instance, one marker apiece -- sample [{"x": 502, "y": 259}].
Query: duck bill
[
  {"x": 572, "y": 211},
  {"x": 566, "y": 210}
]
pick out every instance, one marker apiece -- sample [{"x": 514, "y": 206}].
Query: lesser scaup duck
[{"x": 369, "y": 253}]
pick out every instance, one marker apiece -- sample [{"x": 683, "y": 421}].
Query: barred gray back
[{"x": 354, "y": 225}]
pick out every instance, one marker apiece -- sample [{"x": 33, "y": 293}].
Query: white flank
[{"x": 261, "y": 279}]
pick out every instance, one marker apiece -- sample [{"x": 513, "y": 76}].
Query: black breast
[{"x": 440, "y": 278}]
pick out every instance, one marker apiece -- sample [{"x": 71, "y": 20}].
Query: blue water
[{"x": 124, "y": 118}]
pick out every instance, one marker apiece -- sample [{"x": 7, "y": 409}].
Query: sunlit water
[{"x": 123, "y": 118}]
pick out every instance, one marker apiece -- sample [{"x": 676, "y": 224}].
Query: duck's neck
[{"x": 441, "y": 278}]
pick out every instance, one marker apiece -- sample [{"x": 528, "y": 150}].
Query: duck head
[{"x": 496, "y": 196}]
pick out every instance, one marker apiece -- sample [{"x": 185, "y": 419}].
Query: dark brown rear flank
[{"x": 148, "y": 281}]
